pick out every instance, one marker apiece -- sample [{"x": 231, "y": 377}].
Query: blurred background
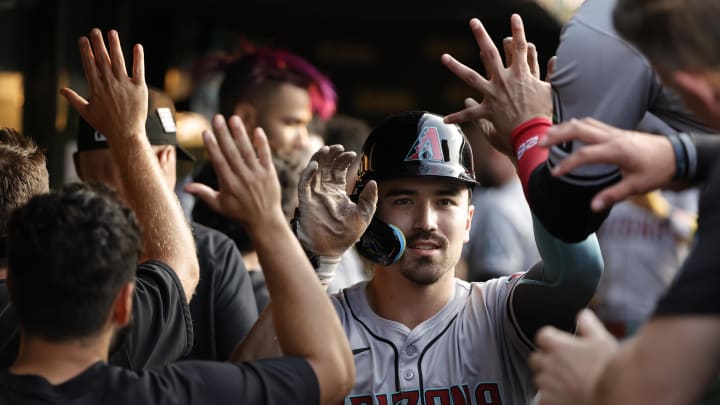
[{"x": 382, "y": 56}]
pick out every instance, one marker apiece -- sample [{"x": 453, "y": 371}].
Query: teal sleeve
[{"x": 556, "y": 288}]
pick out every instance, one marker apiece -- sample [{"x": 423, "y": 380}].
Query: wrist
[{"x": 524, "y": 139}]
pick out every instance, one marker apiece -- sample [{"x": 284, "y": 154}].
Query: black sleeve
[
  {"x": 708, "y": 151},
  {"x": 223, "y": 308},
  {"x": 161, "y": 329},
  {"x": 564, "y": 208},
  {"x": 286, "y": 380},
  {"x": 696, "y": 291}
]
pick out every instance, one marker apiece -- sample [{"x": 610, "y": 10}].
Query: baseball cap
[{"x": 160, "y": 127}]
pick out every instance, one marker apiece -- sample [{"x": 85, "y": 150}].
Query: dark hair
[
  {"x": 263, "y": 69},
  {"x": 23, "y": 173},
  {"x": 673, "y": 34},
  {"x": 70, "y": 252}
]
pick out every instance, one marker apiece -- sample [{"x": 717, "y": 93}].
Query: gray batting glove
[{"x": 329, "y": 222}]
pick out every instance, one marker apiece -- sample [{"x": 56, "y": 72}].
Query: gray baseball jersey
[
  {"x": 599, "y": 75},
  {"x": 468, "y": 353}
]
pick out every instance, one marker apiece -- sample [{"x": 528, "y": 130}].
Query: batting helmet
[
  {"x": 415, "y": 143},
  {"x": 408, "y": 144}
]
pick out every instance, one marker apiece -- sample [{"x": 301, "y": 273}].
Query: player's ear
[
  {"x": 122, "y": 308},
  {"x": 248, "y": 114},
  {"x": 468, "y": 222}
]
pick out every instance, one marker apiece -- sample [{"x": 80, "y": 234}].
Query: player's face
[
  {"x": 284, "y": 114},
  {"x": 435, "y": 215}
]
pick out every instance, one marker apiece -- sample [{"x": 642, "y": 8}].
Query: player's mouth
[{"x": 424, "y": 247}]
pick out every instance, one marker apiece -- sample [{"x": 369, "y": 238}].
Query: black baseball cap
[{"x": 160, "y": 127}]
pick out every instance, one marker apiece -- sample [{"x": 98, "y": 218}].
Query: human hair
[
  {"x": 23, "y": 173},
  {"x": 260, "y": 71},
  {"x": 673, "y": 34},
  {"x": 70, "y": 252}
]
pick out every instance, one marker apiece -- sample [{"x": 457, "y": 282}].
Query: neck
[
  {"x": 394, "y": 297},
  {"x": 59, "y": 362},
  {"x": 3, "y": 273}
]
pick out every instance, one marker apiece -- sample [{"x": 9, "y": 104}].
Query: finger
[
  {"x": 520, "y": 46},
  {"x": 602, "y": 153},
  {"x": 532, "y": 58},
  {"x": 304, "y": 190},
  {"x": 262, "y": 147},
  {"x": 205, "y": 193},
  {"x": 102, "y": 59},
  {"x": 225, "y": 175},
  {"x": 466, "y": 74},
  {"x": 367, "y": 201},
  {"x": 549, "y": 338},
  {"x": 116, "y": 55},
  {"x": 242, "y": 141},
  {"x": 138, "y": 64},
  {"x": 612, "y": 195},
  {"x": 340, "y": 167},
  {"x": 550, "y": 68},
  {"x": 536, "y": 361},
  {"x": 75, "y": 100},
  {"x": 325, "y": 161},
  {"x": 470, "y": 102},
  {"x": 507, "y": 49},
  {"x": 88, "y": 63},
  {"x": 468, "y": 114},
  {"x": 488, "y": 52},
  {"x": 589, "y": 325},
  {"x": 575, "y": 130}
]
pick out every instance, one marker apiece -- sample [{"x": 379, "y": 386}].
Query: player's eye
[{"x": 401, "y": 201}]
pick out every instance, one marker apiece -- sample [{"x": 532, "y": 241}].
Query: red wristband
[{"x": 524, "y": 141}]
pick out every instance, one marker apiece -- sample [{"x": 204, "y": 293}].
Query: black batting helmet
[{"x": 415, "y": 143}]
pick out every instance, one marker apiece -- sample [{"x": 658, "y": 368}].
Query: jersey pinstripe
[{"x": 468, "y": 353}]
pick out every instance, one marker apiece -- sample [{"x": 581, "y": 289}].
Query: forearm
[
  {"x": 564, "y": 283},
  {"x": 304, "y": 319},
  {"x": 650, "y": 369},
  {"x": 166, "y": 232}
]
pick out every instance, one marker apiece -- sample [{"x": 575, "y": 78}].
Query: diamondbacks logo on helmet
[{"x": 426, "y": 146}]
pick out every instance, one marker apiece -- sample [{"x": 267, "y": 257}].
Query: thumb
[
  {"x": 367, "y": 200},
  {"x": 588, "y": 325},
  {"x": 205, "y": 193},
  {"x": 550, "y": 68}
]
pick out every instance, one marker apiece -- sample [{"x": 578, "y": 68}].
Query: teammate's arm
[
  {"x": 519, "y": 105},
  {"x": 119, "y": 111},
  {"x": 306, "y": 323}
]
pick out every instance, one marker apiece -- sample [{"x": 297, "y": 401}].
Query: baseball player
[{"x": 418, "y": 334}]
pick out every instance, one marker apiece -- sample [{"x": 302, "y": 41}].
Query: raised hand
[
  {"x": 512, "y": 95},
  {"x": 117, "y": 104},
  {"x": 566, "y": 367},
  {"x": 329, "y": 222},
  {"x": 249, "y": 188},
  {"x": 646, "y": 161}
]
